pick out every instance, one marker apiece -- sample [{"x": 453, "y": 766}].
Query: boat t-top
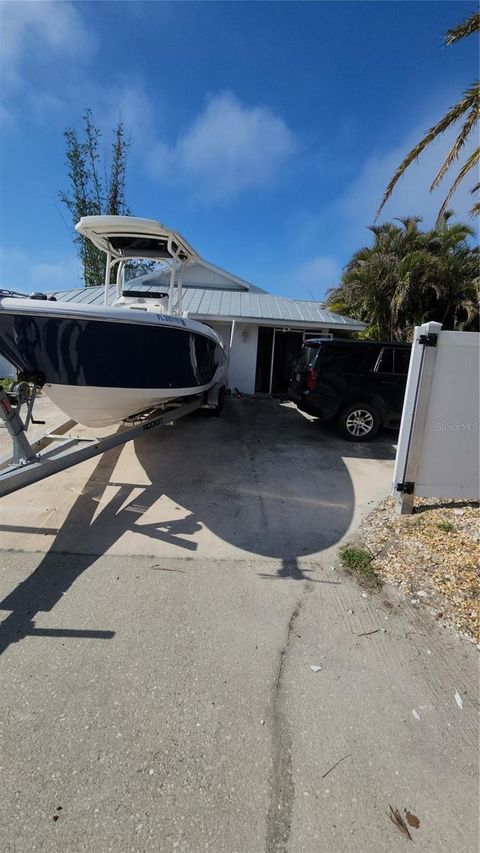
[{"x": 102, "y": 364}]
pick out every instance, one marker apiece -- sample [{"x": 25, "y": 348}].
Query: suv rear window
[
  {"x": 343, "y": 359},
  {"x": 393, "y": 360},
  {"x": 307, "y": 357}
]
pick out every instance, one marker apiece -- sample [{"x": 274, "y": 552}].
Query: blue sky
[{"x": 264, "y": 132}]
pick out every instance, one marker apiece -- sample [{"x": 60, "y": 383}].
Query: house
[{"x": 263, "y": 332}]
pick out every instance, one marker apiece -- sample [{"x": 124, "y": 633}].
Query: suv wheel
[{"x": 359, "y": 422}]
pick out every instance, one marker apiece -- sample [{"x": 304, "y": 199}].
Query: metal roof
[
  {"x": 208, "y": 304},
  {"x": 198, "y": 273}
]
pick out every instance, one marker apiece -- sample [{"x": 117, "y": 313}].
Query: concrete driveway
[{"x": 162, "y": 608}]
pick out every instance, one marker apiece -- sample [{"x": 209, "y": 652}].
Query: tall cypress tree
[{"x": 90, "y": 193}]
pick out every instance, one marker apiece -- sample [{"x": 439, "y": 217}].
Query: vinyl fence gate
[{"x": 438, "y": 446}]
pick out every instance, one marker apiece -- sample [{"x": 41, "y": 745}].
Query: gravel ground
[{"x": 432, "y": 556}]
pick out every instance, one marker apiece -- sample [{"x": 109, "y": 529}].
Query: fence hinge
[
  {"x": 406, "y": 488},
  {"x": 429, "y": 340}
]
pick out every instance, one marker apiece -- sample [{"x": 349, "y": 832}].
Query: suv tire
[{"x": 358, "y": 421}]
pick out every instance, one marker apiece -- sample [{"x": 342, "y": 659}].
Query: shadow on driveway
[{"x": 262, "y": 478}]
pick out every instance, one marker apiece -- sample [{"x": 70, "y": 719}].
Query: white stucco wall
[
  {"x": 243, "y": 356},
  {"x": 223, "y": 330}
]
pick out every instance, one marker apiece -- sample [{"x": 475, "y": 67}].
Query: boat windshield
[
  {"x": 148, "y": 279},
  {"x": 147, "y": 273},
  {"x": 143, "y": 247}
]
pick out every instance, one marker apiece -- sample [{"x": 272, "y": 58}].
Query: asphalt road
[{"x": 162, "y": 607}]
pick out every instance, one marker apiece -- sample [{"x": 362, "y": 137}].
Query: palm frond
[
  {"x": 406, "y": 264},
  {"x": 466, "y": 28},
  {"x": 442, "y": 222},
  {"x": 409, "y": 222},
  {"x": 471, "y": 310},
  {"x": 469, "y": 101},
  {"x": 462, "y": 137},
  {"x": 451, "y": 234},
  {"x": 467, "y": 166}
]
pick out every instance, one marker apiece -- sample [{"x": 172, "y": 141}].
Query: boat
[{"x": 103, "y": 364}]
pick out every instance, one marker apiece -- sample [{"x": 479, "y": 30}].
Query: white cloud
[
  {"x": 25, "y": 25},
  {"x": 229, "y": 148},
  {"x": 321, "y": 273},
  {"x": 38, "y": 33},
  {"x": 45, "y": 103},
  {"x": 308, "y": 280},
  {"x": 46, "y": 272},
  {"x": 128, "y": 100}
]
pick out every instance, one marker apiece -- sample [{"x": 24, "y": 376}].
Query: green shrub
[
  {"x": 447, "y": 526},
  {"x": 359, "y": 562}
]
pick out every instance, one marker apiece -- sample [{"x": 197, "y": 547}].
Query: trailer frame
[{"x": 30, "y": 462}]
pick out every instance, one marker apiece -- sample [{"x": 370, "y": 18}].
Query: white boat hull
[{"x": 100, "y": 407}]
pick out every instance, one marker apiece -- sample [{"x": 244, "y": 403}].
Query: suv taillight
[{"x": 311, "y": 378}]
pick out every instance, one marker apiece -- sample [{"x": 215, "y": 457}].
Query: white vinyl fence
[{"x": 438, "y": 446}]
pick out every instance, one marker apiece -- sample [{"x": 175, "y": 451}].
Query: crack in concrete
[{"x": 282, "y": 786}]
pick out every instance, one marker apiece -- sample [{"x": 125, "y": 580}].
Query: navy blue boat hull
[
  {"x": 94, "y": 352},
  {"x": 102, "y": 370}
]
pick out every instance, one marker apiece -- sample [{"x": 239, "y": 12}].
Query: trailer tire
[{"x": 216, "y": 411}]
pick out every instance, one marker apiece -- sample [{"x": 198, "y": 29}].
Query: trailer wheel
[{"x": 216, "y": 411}]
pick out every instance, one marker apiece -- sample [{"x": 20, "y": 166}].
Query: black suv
[{"x": 360, "y": 384}]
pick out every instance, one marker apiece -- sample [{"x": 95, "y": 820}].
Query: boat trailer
[{"x": 28, "y": 463}]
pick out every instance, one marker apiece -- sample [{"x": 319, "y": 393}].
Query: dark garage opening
[
  {"x": 286, "y": 351},
  {"x": 285, "y": 347},
  {"x": 264, "y": 360}
]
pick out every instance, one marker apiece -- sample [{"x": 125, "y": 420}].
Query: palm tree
[
  {"x": 453, "y": 272},
  {"x": 468, "y": 107},
  {"x": 409, "y": 276}
]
